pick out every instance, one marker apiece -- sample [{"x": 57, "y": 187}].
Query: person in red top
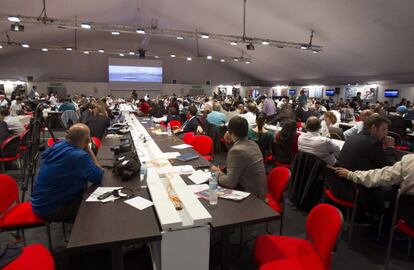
[
  {"x": 285, "y": 146},
  {"x": 144, "y": 107}
]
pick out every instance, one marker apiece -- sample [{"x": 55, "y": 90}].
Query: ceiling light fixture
[
  {"x": 209, "y": 57},
  {"x": 13, "y": 19},
  {"x": 315, "y": 51},
  {"x": 101, "y": 50},
  {"x": 115, "y": 33},
  {"x": 156, "y": 56},
  {"x": 247, "y": 62},
  {"x": 303, "y": 47},
  {"x": 233, "y": 43},
  {"x": 69, "y": 49},
  {"x": 189, "y": 59},
  {"x": 235, "y": 59},
  {"x": 131, "y": 53},
  {"x": 1, "y": 47},
  {"x": 86, "y": 52},
  {"x": 17, "y": 27},
  {"x": 180, "y": 38},
  {"x": 86, "y": 26},
  {"x": 44, "y": 50},
  {"x": 121, "y": 54},
  {"x": 205, "y": 35},
  {"x": 222, "y": 60},
  {"x": 265, "y": 42},
  {"x": 24, "y": 45},
  {"x": 172, "y": 55},
  {"x": 140, "y": 31}
]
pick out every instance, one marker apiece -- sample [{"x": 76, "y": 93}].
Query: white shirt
[
  {"x": 14, "y": 125},
  {"x": 4, "y": 103},
  {"x": 338, "y": 115},
  {"x": 14, "y": 108},
  {"x": 250, "y": 117},
  {"x": 53, "y": 100},
  {"x": 359, "y": 126},
  {"x": 322, "y": 147}
]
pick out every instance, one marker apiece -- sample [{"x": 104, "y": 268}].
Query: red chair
[
  {"x": 51, "y": 141},
  {"x": 24, "y": 137},
  {"x": 188, "y": 138},
  {"x": 9, "y": 150},
  {"x": 323, "y": 227},
  {"x": 299, "y": 125},
  {"x": 398, "y": 141},
  {"x": 175, "y": 124},
  {"x": 33, "y": 257},
  {"x": 204, "y": 146},
  {"x": 16, "y": 215},
  {"x": 277, "y": 181},
  {"x": 97, "y": 142}
]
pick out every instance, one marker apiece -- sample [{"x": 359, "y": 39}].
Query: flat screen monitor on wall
[
  {"x": 391, "y": 93},
  {"x": 330, "y": 92},
  {"x": 135, "y": 70},
  {"x": 292, "y": 92}
]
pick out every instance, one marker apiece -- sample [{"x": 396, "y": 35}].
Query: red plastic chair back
[
  {"x": 188, "y": 138},
  {"x": 96, "y": 142},
  {"x": 175, "y": 123},
  {"x": 10, "y": 148},
  {"x": 277, "y": 181},
  {"x": 51, "y": 142},
  {"x": 24, "y": 137},
  {"x": 203, "y": 144},
  {"x": 9, "y": 192},
  {"x": 298, "y": 125},
  {"x": 357, "y": 118},
  {"x": 323, "y": 226}
]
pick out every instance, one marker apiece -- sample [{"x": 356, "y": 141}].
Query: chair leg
[
  {"x": 351, "y": 227},
  {"x": 381, "y": 223},
  {"x": 49, "y": 238}
]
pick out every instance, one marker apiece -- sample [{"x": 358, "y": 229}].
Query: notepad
[
  {"x": 199, "y": 177},
  {"x": 187, "y": 157},
  {"x": 139, "y": 202}
]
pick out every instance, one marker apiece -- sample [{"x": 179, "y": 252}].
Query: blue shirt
[
  {"x": 64, "y": 173},
  {"x": 216, "y": 118}
]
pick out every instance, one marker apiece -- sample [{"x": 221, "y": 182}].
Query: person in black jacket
[
  {"x": 99, "y": 121},
  {"x": 158, "y": 110},
  {"x": 398, "y": 124},
  {"x": 365, "y": 151}
]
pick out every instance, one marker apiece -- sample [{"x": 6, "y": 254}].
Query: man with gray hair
[{"x": 66, "y": 168}]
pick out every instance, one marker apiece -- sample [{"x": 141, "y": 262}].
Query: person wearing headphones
[{"x": 65, "y": 169}]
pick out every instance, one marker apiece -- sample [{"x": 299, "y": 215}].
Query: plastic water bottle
[
  {"x": 152, "y": 121},
  {"x": 169, "y": 132},
  {"x": 212, "y": 185},
  {"x": 143, "y": 175}
]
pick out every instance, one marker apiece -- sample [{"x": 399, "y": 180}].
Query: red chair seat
[
  {"x": 10, "y": 158},
  {"x": 300, "y": 263},
  {"x": 273, "y": 204},
  {"x": 339, "y": 201},
  {"x": 271, "y": 248},
  {"x": 403, "y": 226},
  {"x": 20, "y": 216},
  {"x": 33, "y": 257}
]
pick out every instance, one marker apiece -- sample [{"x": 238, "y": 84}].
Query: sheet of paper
[
  {"x": 181, "y": 146},
  {"x": 99, "y": 191},
  {"x": 199, "y": 177},
  {"x": 139, "y": 202},
  {"x": 185, "y": 169},
  {"x": 170, "y": 155},
  {"x": 197, "y": 188}
]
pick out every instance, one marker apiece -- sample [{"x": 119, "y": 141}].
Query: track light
[
  {"x": 24, "y": 45},
  {"x": 303, "y": 47},
  {"x": 189, "y": 59},
  {"x": 86, "y": 52},
  {"x": 17, "y": 27},
  {"x": 115, "y": 33},
  {"x": 121, "y": 54},
  {"x": 247, "y": 62},
  {"x": 13, "y": 19},
  {"x": 209, "y": 57},
  {"x": 180, "y": 37},
  {"x": 45, "y": 50},
  {"x": 172, "y": 55},
  {"x": 235, "y": 59},
  {"x": 250, "y": 46},
  {"x": 205, "y": 35},
  {"x": 86, "y": 26},
  {"x": 1, "y": 47},
  {"x": 131, "y": 53},
  {"x": 315, "y": 51},
  {"x": 264, "y": 42},
  {"x": 233, "y": 43},
  {"x": 140, "y": 31},
  {"x": 222, "y": 60},
  {"x": 101, "y": 51},
  {"x": 156, "y": 56},
  {"x": 69, "y": 49}
]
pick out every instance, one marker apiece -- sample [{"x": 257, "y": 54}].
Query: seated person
[
  {"x": 261, "y": 136},
  {"x": 312, "y": 142},
  {"x": 67, "y": 105},
  {"x": 193, "y": 124},
  {"x": 16, "y": 107},
  {"x": 399, "y": 124},
  {"x": 359, "y": 125},
  {"x": 13, "y": 123},
  {"x": 285, "y": 146},
  {"x": 4, "y": 129},
  {"x": 157, "y": 110},
  {"x": 99, "y": 121},
  {"x": 401, "y": 173},
  {"x": 245, "y": 167},
  {"x": 3, "y": 102},
  {"x": 66, "y": 168},
  {"x": 250, "y": 116},
  {"x": 144, "y": 107},
  {"x": 329, "y": 120},
  {"x": 216, "y": 117},
  {"x": 172, "y": 115}
]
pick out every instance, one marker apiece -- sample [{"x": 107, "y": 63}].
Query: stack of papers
[
  {"x": 185, "y": 169},
  {"x": 197, "y": 188},
  {"x": 170, "y": 155},
  {"x": 181, "y": 146},
  {"x": 199, "y": 177}
]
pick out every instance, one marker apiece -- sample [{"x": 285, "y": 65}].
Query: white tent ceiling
[{"x": 369, "y": 40}]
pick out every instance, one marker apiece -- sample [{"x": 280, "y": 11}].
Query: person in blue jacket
[{"x": 65, "y": 169}]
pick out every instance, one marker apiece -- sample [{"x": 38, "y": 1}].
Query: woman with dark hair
[
  {"x": 261, "y": 136},
  {"x": 285, "y": 146},
  {"x": 98, "y": 121},
  {"x": 172, "y": 115}
]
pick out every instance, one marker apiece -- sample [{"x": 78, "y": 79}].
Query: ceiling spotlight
[
  {"x": 1, "y": 47},
  {"x": 304, "y": 47},
  {"x": 44, "y": 50},
  {"x": 209, "y": 57},
  {"x": 24, "y": 45},
  {"x": 315, "y": 51},
  {"x": 180, "y": 38},
  {"x": 235, "y": 59},
  {"x": 115, "y": 33},
  {"x": 140, "y": 31},
  {"x": 250, "y": 46},
  {"x": 189, "y": 59},
  {"x": 17, "y": 27},
  {"x": 222, "y": 60},
  {"x": 265, "y": 42},
  {"x": 121, "y": 54},
  {"x": 204, "y": 35},
  {"x": 13, "y": 19},
  {"x": 156, "y": 56},
  {"x": 172, "y": 55},
  {"x": 233, "y": 43},
  {"x": 247, "y": 62},
  {"x": 69, "y": 49},
  {"x": 101, "y": 51},
  {"x": 131, "y": 53},
  {"x": 86, "y": 52},
  {"x": 85, "y": 26}
]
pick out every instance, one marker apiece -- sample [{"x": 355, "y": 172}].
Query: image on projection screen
[{"x": 135, "y": 74}]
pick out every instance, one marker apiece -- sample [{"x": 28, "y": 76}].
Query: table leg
[
  {"x": 117, "y": 258},
  {"x": 225, "y": 248}
]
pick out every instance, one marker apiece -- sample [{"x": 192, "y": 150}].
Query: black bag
[
  {"x": 8, "y": 253},
  {"x": 127, "y": 165}
]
